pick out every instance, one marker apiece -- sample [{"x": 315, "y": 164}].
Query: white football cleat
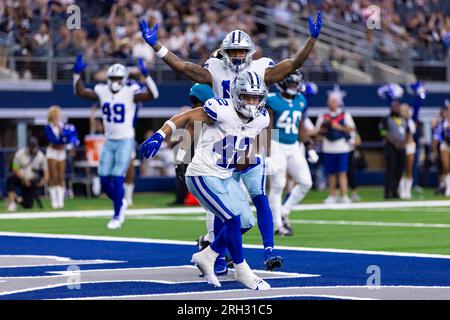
[
  {"x": 244, "y": 275},
  {"x": 11, "y": 206},
  {"x": 114, "y": 224},
  {"x": 330, "y": 200},
  {"x": 204, "y": 261}
]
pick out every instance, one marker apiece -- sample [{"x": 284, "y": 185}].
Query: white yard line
[
  {"x": 325, "y": 222},
  {"x": 190, "y": 210},
  {"x": 251, "y": 246}
]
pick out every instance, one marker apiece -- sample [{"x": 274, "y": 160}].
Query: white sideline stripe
[
  {"x": 250, "y": 246},
  {"x": 162, "y": 211},
  {"x": 214, "y": 292},
  {"x": 326, "y": 222},
  {"x": 372, "y": 223},
  {"x": 304, "y": 295}
]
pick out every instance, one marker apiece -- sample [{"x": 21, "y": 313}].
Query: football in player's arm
[{"x": 201, "y": 75}]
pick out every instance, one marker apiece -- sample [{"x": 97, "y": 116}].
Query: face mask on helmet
[
  {"x": 250, "y": 105},
  {"x": 117, "y": 77},
  {"x": 234, "y": 42},
  {"x": 249, "y": 94},
  {"x": 115, "y": 83},
  {"x": 291, "y": 85}
]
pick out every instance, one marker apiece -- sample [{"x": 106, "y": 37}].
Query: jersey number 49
[{"x": 115, "y": 114}]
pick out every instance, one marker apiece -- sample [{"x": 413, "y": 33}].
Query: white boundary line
[
  {"x": 213, "y": 292},
  {"x": 162, "y": 211},
  {"x": 190, "y": 243}
]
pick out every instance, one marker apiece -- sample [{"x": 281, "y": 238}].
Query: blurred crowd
[{"x": 193, "y": 29}]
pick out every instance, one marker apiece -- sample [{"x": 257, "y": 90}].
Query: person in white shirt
[{"x": 336, "y": 126}]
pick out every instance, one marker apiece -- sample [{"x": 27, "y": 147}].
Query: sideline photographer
[{"x": 28, "y": 174}]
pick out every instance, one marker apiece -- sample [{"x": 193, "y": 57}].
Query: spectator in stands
[
  {"x": 394, "y": 131},
  {"x": 28, "y": 174},
  {"x": 336, "y": 126}
]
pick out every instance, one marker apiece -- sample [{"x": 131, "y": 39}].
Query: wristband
[
  {"x": 171, "y": 125},
  {"x": 162, "y": 52},
  {"x": 161, "y": 133}
]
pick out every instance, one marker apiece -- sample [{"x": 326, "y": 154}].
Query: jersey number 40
[
  {"x": 289, "y": 123},
  {"x": 115, "y": 114}
]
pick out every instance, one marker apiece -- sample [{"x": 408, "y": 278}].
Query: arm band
[
  {"x": 171, "y": 125},
  {"x": 152, "y": 87},
  {"x": 162, "y": 52}
]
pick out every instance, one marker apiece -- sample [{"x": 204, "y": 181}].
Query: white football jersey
[
  {"x": 223, "y": 144},
  {"x": 222, "y": 76},
  {"x": 118, "y": 110}
]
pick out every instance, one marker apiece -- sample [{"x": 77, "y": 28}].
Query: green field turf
[{"x": 311, "y": 228}]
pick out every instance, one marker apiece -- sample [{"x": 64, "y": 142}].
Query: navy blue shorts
[{"x": 335, "y": 162}]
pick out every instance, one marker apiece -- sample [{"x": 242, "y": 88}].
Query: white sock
[
  {"x": 53, "y": 197},
  {"x": 275, "y": 205},
  {"x": 209, "y": 227},
  {"x": 297, "y": 194},
  {"x": 447, "y": 185},
  {"x": 402, "y": 188},
  {"x": 129, "y": 188},
  {"x": 408, "y": 187},
  {"x": 60, "y": 195}
]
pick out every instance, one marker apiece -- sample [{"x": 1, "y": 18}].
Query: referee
[{"x": 394, "y": 130}]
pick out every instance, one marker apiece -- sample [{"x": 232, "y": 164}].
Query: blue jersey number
[
  {"x": 221, "y": 102},
  {"x": 117, "y": 114},
  {"x": 231, "y": 149},
  {"x": 226, "y": 89}
]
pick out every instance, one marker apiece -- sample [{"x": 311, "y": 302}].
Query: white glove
[
  {"x": 313, "y": 157},
  {"x": 270, "y": 165}
]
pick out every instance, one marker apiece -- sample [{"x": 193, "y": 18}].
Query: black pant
[
  {"x": 181, "y": 187},
  {"x": 395, "y": 165},
  {"x": 351, "y": 172},
  {"x": 29, "y": 194}
]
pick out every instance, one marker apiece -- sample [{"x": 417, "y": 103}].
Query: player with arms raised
[
  {"x": 237, "y": 50},
  {"x": 118, "y": 103}
]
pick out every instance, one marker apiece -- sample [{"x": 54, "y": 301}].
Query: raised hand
[
  {"x": 151, "y": 146},
  {"x": 79, "y": 66},
  {"x": 149, "y": 35},
  {"x": 314, "y": 27},
  {"x": 417, "y": 89},
  {"x": 142, "y": 68}
]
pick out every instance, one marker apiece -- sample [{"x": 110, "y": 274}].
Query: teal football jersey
[{"x": 287, "y": 115}]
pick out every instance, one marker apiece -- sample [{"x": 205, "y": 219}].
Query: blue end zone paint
[{"x": 335, "y": 269}]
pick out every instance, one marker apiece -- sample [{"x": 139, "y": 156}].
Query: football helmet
[
  {"x": 249, "y": 93},
  {"x": 237, "y": 39},
  {"x": 117, "y": 77}
]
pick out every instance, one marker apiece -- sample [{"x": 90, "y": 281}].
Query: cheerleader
[
  {"x": 59, "y": 135},
  {"x": 406, "y": 182},
  {"x": 441, "y": 135}
]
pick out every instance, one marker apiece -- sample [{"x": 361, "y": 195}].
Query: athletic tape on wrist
[
  {"x": 161, "y": 133},
  {"x": 171, "y": 125},
  {"x": 162, "y": 52}
]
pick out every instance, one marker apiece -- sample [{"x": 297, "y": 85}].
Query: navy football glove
[
  {"x": 314, "y": 27},
  {"x": 79, "y": 66},
  {"x": 149, "y": 35},
  {"x": 142, "y": 67},
  {"x": 151, "y": 146}
]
